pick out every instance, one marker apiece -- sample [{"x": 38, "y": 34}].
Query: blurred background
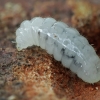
[{"x": 37, "y": 76}]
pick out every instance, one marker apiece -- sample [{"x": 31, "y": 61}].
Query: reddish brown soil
[{"x": 32, "y": 74}]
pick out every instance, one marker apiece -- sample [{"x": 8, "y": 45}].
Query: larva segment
[
  {"x": 42, "y": 37},
  {"x": 66, "y": 60},
  {"x": 25, "y": 24},
  {"x": 68, "y": 54},
  {"x": 61, "y": 24},
  {"x": 36, "y": 23},
  {"x": 58, "y": 52},
  {"x": 76, "y": 66},
  {"x": 49, "y": 41},
  {"x": 48, "y": 22},
  {"x": 88, "y": 51},
  {"x": 22, "y": 37},
  {"x": 98, "y": 70},
  {"x": 56, "y": 30},
  {"x": 64, "y": 43},
  {"x": 83, "y": 40},
  {"x": 49, "y": 44}
]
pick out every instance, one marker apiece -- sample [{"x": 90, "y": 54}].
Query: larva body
[{"x": 64, "y": 43}]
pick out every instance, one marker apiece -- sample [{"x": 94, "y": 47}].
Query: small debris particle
[
  {"x": 12, "y": 97},
  {"x": 96, "y": 88}
]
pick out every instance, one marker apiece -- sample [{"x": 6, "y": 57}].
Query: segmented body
[{"x": 64, "y": 43}]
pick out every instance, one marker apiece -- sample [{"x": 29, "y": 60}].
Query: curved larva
[{"x": 64, "y": 43}]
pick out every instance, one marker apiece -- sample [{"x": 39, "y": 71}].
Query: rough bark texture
[{"x": 32, "y": 74}]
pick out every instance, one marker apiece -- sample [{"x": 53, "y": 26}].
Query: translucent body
[{"x": 64, "y": 43}]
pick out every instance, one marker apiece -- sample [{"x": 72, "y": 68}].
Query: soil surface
[{"x": 32, "y": 74}]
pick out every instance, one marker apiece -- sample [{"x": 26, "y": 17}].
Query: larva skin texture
[{"x": 64, "y": 43}]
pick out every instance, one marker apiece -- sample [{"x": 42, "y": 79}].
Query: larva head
[{"x": 24, "y": 36}]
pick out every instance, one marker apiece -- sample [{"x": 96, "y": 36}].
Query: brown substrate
[{"x": 32, "y": 74}]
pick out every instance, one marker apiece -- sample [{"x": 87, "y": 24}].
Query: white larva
[{"x": 64, "y": 43}]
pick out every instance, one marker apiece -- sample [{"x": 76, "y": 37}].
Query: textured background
[{"x": 32, "y": 74}]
